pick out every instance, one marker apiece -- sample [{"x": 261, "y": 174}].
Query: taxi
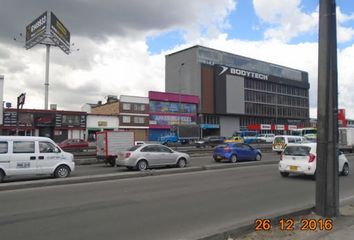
[{"x": 234, "y": 139}]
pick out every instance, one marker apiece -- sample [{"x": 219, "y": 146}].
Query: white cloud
[{"x": 286, "y": 17}]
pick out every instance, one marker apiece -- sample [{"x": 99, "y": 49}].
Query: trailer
[
  {"x": 109, "y": 143},
  {"x": 346, "y": 139}
]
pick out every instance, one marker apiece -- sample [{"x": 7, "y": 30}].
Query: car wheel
[
  {"x": 284, "y": 174},
  {"x": 182, "y": 163},
  {"x": 62, "y": 172},
  {"x": 216, "y": 160},
  {"x": 142, "y": 165},
  {"x": 345, "y": 171},
  {"x": 258, "y": 157},
  {"x": 2, "y": 175},
  {"x": 233, "y": 159}
]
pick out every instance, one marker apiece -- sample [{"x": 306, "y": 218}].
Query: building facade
[
  {"x": 169, "y": 109},
  {"x": 57, "y": 125},
  {"x": 237, "y": 92},
  {"x": 134, "y": 116},
  {"x": 98, "y": 122}
]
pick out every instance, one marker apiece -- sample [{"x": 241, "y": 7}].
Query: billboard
[
  {"x": 36, "y": 30},
  {"x": 48, "y": 29},
  {"x": 58, "y": 30}
]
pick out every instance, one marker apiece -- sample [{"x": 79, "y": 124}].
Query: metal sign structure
[{"x": 47, "y": 29}]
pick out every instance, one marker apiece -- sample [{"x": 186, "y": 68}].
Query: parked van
[
  {"x": 20, "y": 155},
  {"x": 281, "y": 141}
]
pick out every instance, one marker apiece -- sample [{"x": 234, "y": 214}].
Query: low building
[
  {"x": 57, "y": 125},
  {"x": 98, "y": 122},
  {"x": 134, "y": 116}
]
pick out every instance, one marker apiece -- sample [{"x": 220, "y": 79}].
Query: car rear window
[
  {"x": 133, "y": 148},
  {"x": 297, "y": 150}
]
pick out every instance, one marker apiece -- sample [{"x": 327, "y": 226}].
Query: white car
[
  {"x": 22, "y": 155},
  {"x": 301, "y": 159},
  {"x": 266, "y": 137},
  {"x": 146, "y": 156}
]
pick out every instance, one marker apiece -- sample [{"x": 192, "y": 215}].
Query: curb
[
  {"x": 126, "y": 175},
  {"x": 248, "y": 226}
]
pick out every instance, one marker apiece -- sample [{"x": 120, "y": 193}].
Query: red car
[{"x": 73, "y": 144}]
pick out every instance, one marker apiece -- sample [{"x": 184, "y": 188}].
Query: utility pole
[
  {"x": 179, "y": 92},
  {"x": 327, "y": 185}
]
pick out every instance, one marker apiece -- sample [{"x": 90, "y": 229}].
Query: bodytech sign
[{"x": 241, "y": 72}]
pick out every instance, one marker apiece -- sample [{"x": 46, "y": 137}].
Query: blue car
[{"x": 235, "y": 152}]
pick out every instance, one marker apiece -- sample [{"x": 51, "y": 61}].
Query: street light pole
[
  {"x": 327, "y": 182},
  {"x": 180, "y": 92}
]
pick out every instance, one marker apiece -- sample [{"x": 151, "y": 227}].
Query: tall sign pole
[
  {"x": 327, "y": 185},
  {"x": 47, "y": 29},
  {"x": 46, "y": 83}
]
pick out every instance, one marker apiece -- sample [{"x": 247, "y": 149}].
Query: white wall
[
  {"x": 228, "y": 125},
  {"x": 93, "y": 120},
  {"x": 134, "y": 99}
]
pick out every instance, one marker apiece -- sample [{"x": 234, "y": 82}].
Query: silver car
[{"x": 146, "y": 156}]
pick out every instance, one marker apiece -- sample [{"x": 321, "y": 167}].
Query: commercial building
[
  {"x": 169, "y": 109},
  {"x": 237, "y": 92},
  {"x": 57, "y": 125}
]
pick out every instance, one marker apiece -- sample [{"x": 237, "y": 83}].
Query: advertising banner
[
  {"x": 36, "y": 29},
  {"x": 58, "y": 29}
]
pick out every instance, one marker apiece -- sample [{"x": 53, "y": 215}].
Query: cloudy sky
[{"x": 122, "y": 44}]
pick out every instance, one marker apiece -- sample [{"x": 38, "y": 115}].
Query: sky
[{"x": 119, "y": 46}]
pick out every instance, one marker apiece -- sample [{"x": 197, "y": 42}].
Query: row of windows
[
  {"x": 275, "y": 88},
  {"x": 262, "y": 97},
  {"x": 210, "y": 119},
  {"x": 212, "y": 57},
  {"x": 134, "y": 106},
  {"x": 27, "y": 147},
  {"x": 277, "y": 111},
  {"x": 138, "y": 120}
]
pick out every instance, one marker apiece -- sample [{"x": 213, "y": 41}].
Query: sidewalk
[{"x": 343, "y": 229}]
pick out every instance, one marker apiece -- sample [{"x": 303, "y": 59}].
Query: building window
[
  {"x": 139, "y": 120},
  {"x": 126, "y": 119},
  {"x": 139, "y": 107},
  {"x": 126, "y": 106}
]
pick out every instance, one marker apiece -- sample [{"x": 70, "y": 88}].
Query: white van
[
  {"x": 21, "y": 155},
  {"x": 281, "y": 141}
]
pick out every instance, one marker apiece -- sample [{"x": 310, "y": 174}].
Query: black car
[{"x": 210, "y": 141}]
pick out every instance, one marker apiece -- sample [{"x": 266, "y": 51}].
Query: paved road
[
  {"x": 86, "y": 170},
  {"x": 83, "y": 170},
  {"x": 179, "y": 206}
]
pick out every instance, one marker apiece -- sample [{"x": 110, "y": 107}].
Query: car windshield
[
  {"x": 297, "y": 150},
  {"x": 279, "y": 140}
]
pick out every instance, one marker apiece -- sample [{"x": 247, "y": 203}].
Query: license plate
[
  {"x": 293, "y": 168},
  {"x": 218, "y": 157}
]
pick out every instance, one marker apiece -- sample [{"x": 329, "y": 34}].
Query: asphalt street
[
  {"x": 178, "y": 206},
  {"x": 101, "y": 168}
]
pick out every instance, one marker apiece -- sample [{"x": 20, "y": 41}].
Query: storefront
[
  {"x": 57, "y": 125},
  {"x": 168, "y": 109},
  {"x": 98, "y": 123}
]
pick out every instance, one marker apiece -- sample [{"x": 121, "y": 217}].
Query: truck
[
  {"x": 346, "y": 139},
  {"x": 109, "y": 143},
  {"x": 181, "y": 134}
]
